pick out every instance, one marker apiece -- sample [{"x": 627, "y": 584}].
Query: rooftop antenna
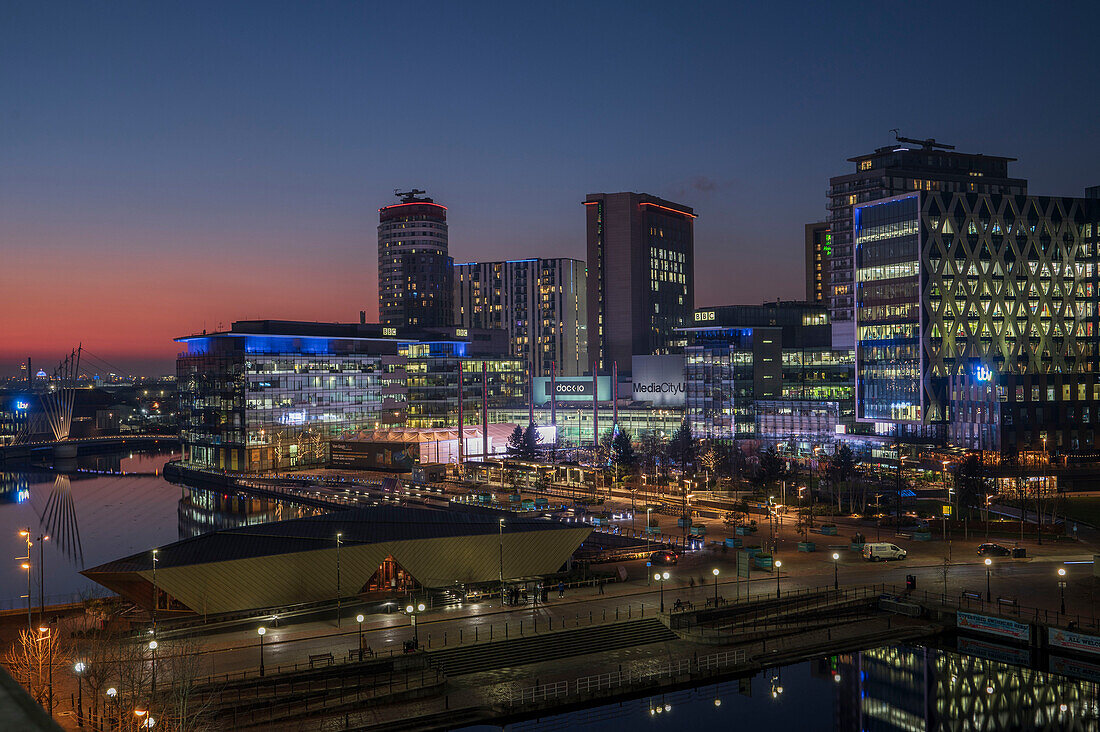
[
  {"x": 929, "y": 144},
  {"x": 408, "y": 196}
]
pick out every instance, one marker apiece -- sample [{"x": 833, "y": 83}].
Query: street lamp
[
  {"x": 1062, "y": 587},
  {"x": 46, "y": 635},
  {"x": 261, "y": 631},
  {"x": 661, "y": 577},
  {"x": 989, "y": 563},
  {"x": 78, "y": 669},
  {"x": 338, "y": 537},
  {"x": 359, "y": 619},
  {"x": 501, "y": 576},
  {"x": 648, "y": 511},
  {"x": 112, "y": 700},
  {"x": 153, "y": 648},
  {"x": 412, "y": 611},
  {"x": 715, "y": 572},
  {"x": 778, "y": 564},
  {"x": 836, "y": 571},
  {"x": 26, "y": 534}
]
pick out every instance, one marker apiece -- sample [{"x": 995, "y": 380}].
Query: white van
[{"x": 881, "y": 551}]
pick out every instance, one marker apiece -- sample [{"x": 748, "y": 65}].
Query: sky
[{"x": 173, "y": 166}]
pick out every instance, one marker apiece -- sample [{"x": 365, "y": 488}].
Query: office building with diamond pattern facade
[{"x": 976, "y": 316}]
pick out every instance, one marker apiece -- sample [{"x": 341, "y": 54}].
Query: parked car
[
  {"x": 666, "y": 556},
  {"x": 883, "y": 552},
  {"x": 993, "y": 550}
]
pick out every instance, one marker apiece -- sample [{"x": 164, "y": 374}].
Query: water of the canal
[
  {"x": 892, "y": 689},
  {"x": 100, "y": 508}
]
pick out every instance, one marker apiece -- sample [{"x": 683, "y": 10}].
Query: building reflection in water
[
  {"x": 919, "y": 689},
  {"x": 202, "y": 511}
]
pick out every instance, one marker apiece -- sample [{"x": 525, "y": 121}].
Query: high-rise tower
[
  {"x": 907, "y": 165},
  {"x": 641, "y": 264},
  {"x": 414, "y": 269}
]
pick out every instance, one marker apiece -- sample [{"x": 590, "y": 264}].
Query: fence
[{"x": 714, "y": 663}]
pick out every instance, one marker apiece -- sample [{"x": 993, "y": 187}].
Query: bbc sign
[{"x": 572, "y": 389}]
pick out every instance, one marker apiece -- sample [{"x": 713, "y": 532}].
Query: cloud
[{"x": 702, "y": 184}]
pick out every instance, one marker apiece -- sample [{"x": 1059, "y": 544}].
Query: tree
[
  {"x": 530, "y": 443},
  {"x": 772, "y": 467},
  {"x": 681, "y": 448},
  {"x": 30, "y": 659},
  {"x": 623, "y": 457},
  {"x": 841, "y": 466},
  {"x": 970, "y": 482},
  {"x": 516, "y": 441}
]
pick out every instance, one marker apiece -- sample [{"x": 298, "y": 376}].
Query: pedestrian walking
[{"x": 561, "y": 589}]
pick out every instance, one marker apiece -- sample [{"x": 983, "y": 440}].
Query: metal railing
[{"x": 711, "y": 664}]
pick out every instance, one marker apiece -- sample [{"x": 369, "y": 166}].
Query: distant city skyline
[{"x": 166, "y": 173}]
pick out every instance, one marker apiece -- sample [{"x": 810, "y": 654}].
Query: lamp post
[
  {"x": 501, "y": 576},
  {"x": 261, "y": 631},
  {"x": 141, "y": 714},
  {"x": 715, "y": 573},
  {"x": 648, "y": 511},
  {"x": 836, "y": 571},
  {"x": 112, "y": 700},
  {"x": 42, "y": 538},
  {"x": 26, "y": 564},
  {"x": 338, "y": 537},
  {"x": 778, "y": 564},
  {"x": 1062, "y": 587},
  {"x": 988, "y": 565},
  {"x": 661, "y": 577},
  {"x": 359, "y": 619},
  {"x": 412, "y": 611},
  {"x": 153, "y": 649},
  {"x": 47, "y": 636},
  {"x": 155, "y": 598},
  {"x": 78, "y": 669}
]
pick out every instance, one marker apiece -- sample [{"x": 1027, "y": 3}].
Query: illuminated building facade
[
  {"x": 431, "y": 379},
  {"x": 269, "y": 395},
  {"x": 819, "y": 247},
  {"x": 976, "y": 314},
  {"x": 641, "y": 264},
  {"x": 540, "y": 303},
  {"x": 766, "y": 371},
  {"x": 414, "y": 269},
  {"x": 908, "y": 165}
]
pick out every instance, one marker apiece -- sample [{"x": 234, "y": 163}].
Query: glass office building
[
  {"x": 271, "y": 395},
  {"x": 957, "y": 291},
  {"x": 766, "y": 371}
]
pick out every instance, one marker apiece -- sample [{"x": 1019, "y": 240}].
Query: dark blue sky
[{"x": 170, "y": 166}]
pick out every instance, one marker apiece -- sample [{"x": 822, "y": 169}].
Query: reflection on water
[
  {"x": 893, "y": 689},
  {"x": 202, "y": 511},
  {"x": 103, "y": 507}
]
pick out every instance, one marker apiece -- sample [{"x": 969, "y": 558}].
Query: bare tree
[
  {"x": 31, "y": 659},
  {"x": 183, "y": 704}
]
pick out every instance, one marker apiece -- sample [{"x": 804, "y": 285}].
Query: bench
[
  {"x": 360, "y": 653},
  {"x": 321, "y": 659},
  {"x": 972, "y": 596},
  {"x": 1011, "y": 602}
]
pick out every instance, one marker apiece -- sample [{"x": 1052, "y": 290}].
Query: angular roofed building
[{"x": 384, "y": 551}]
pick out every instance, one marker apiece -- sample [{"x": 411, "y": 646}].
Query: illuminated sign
[
  {"x": 704, "y": 316},
  {"x": 389, "y": 331},
  {"x": 572, "y": 389},
  {"x": 294, "y": 418},
  {"x": 828, "y": 248},
  {"x": 658, "y": 380},
  {"x": 22, "y": 406},
  {"x": 461, "y": 332},
  {"x": 982, "y": 373}
]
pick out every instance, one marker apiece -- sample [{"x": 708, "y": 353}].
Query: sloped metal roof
[{"x": 371, "y": 525}]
